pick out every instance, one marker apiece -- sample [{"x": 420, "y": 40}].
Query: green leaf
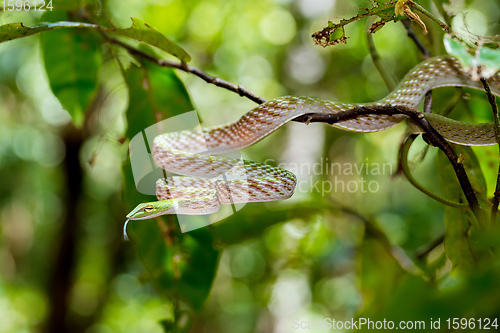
[
  {"x": 140, "y": 113},
  {"x": 72, "y": 60},
  {"x": 489, "y": 60},
  {"x": 180, "y": 265},
  {"x": 18, "y": 30},
  {"x": 139, "y": 31},
  {"x": 155, "y": 93},
  {"x": 463, "y": 236},
  {"x": 484, "y": 63},
  {"x": 459, "y": 50},
  {"x": 142, "y": 32}
]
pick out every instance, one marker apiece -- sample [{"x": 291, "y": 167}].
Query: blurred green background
[{"x": 63, "y": 264}]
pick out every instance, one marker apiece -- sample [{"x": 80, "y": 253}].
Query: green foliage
[
  {"x": 484, "y": 62},
  {"x": 415, "y": 300},
  {"x": 142, "y": 32},
  {"x": 74, "y": 81},
  {"x": 255, "y": 219},
  {"x": 155, "y": 93},
  {"x": 323, "y": 254},
  {"x": 139, "y": 31},
  {"x": 181, "y": 266},
  {"x": 140, "y": 112},
  {"x": 18, "y": 30}
]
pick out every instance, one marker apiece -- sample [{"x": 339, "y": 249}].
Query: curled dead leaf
[{"x": 402, "y": 8}]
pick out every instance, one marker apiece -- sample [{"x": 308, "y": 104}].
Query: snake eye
[{"x": 148, "y": 209}]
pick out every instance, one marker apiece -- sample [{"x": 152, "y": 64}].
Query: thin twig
[
  {"x": 409, "y": 30},
  {"x": 379, "y": 65},
  {"x": 425, "y": 55},
  {"x": 424, "y": 11},
  {"x": 433, "y": 136},
  {"x": 494, "y": 108},
  {"x": 428, "y": 102},
  {"x": 423, "y": 253},
  {"x": 239, "y": 89},
  {"x": 444, "y": 14},
  {"x": 452, "y": 102},
  {"x": 404, "y": 167}
]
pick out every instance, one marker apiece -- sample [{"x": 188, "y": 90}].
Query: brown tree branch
[
  {"x": 433, "y": 136},
  {"x": 428, "y": 249},
  {"x": 239, "y": 89},
  {"x": 415, "y": 39},
  {"x": 494, "y": 108},
  {"x": 63, "y": 274}
]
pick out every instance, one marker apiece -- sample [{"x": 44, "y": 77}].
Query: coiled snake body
[{"x": 215, "y": 180}]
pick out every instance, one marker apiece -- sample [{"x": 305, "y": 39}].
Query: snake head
[{"x": 152, "y": 209}]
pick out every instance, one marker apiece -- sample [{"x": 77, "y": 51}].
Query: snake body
[{"x": 189, "y": 152}]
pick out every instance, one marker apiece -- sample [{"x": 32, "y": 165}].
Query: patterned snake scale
[{"x": 219, "y": 180}]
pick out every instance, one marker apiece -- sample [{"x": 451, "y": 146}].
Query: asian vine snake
[{"x": 186, "y": 152}]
